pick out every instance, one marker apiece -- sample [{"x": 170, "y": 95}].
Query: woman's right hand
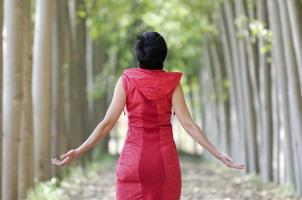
[
  {"x": 66, "y": 158},
  {"x": 229, "y": 162}
]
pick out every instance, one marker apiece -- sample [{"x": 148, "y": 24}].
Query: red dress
[{"x": 148, "y": 167}]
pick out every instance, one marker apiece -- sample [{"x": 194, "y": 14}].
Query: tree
[
  {"x": 12, "y": 94},
  {"x": 41, "y": 88},
  {"x": 26, "y": 153}
]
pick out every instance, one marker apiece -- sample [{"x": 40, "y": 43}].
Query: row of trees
[
  {"x": 256, "y": 59},
  {"x": 46, "y": 108}
]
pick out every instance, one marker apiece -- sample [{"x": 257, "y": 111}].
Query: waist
[{"x": 144, "y": 126}]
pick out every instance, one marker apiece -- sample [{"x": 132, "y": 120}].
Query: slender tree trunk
[
  {"x": 67, "y": 63},
  {"x": 294, "y": 12},
  {"x": 294, "y": 93},
  {"x": 265, "y": 103},
  {"x": 1, "y": 96},
  {"x": 214, "y": 97},
  {"x": 233, "y": 129},
  {"x": 242, "y": 143},
  {"x": 26, "y": 150},
  {"x": 58, "y": 128},
  {"x": 78, "y": 75},
  {"x": 280, "y": 79},
  {"x": 247, "y": 97},
  {"x": 219, "y": 78},
  {"x": 41, "y": 88},
  {"x": 204, "y": 93},
  {"x": 99, "y": 59},
  {"x": 12, "y": 94},
  {"x": 89, "y": 77}
]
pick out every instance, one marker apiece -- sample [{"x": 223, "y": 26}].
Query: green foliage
[
  {"x": 182, "y": 23},
  {"x": 258, "y": 31},
  {"x": 254, "y": 30}
]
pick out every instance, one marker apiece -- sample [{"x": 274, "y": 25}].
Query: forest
[{"x": 60, "y": 60}]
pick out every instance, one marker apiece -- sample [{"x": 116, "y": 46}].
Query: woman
[{"x": 148, "y": 166}]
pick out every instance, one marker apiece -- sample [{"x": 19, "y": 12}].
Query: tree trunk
[
  {"x": 58, "y": 128},
  {"x": 294, "y": 11},
  {"x": 247, "y": 97},
  {"x": 12, "y": 94},
  {"x": 99, "y": 59},
  {"x": 41, "y": 88},
  {"x": 221, "y": 106},
  {"x": 294, "y": 94},
  {"x": 233, "y": 128},
  {"x": 280, "y": 79},
  {"x": 265, "y": 104},
  {"x": 242, "y": 143},
  {"x": 26, "y": 151},
  {"x": 67, "y": 63},
  {"x": 78, "y": 75},
  {"x": 1, "y": 86}
]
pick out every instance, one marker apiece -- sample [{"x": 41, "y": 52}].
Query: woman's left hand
[{"x": 66, "y": 158}]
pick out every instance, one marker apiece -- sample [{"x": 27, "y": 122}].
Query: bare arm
[
  {"x": 183, "y": 115},
  {"x": 113, "y": 113}
]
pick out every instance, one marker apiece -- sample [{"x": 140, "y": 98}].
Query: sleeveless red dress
[{"x": 148, "y": 167}]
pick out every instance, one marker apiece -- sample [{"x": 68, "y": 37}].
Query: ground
[{"x": 201, "y": 180}]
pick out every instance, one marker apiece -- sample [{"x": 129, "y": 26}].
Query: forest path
[{"x": 201, "y": 181}]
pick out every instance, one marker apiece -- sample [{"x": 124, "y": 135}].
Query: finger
[
  {"x": 66, "y": 154},
  {"x": 242, "y": 166},
  {"x": 63, "y": 162},
  {"x": 60, "y": 163},
  {"x": 229, "y": 159},
  {"x": 56, "y": 162},
  {"x": 63, "y": 155},
  {"x": 238, "y": 166},
  {"x": 227, "y": 163}
]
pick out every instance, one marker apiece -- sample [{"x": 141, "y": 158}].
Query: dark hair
[{"x": 150, "y": 50}]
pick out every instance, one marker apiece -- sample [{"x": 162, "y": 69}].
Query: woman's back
[
  {"x": 149, "y": 95},
  {"x": 148, "y": 167}
]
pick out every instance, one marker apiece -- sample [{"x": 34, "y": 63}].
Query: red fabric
[{"x": 148, "y": 167}]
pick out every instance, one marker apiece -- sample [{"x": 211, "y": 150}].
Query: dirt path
[{"x": 201, "y": 181}]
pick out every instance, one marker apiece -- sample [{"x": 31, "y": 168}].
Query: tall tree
[
  {"x": 219, "y": 74},
  {"x": 58, "y": 125},
  {"x": 265, "y": 94},
  {"x": 227, "y": 60},
  {"x": 1, "y": 74},
  {"x": 12, "y": 94},
  {"x": 26, "y": 173},
  {"x": 294, "y": 92},
  {"x": 230, "y": 27},
  {"x": 78, "y": 72},
  {"x": 294, "y": 12},
  {"x": 247, "y": 97},
  {"x": 41, "y": 88}
]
